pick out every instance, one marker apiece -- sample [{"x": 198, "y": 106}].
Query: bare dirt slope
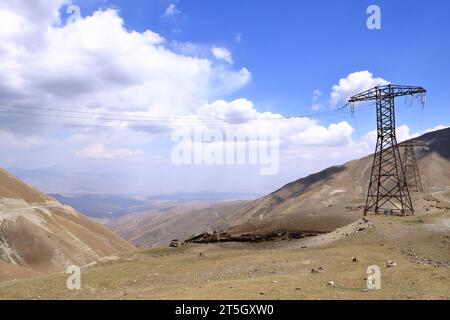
[
  {"x": 39, "y": 235},
  {"x": 178, "y": 221},
  {"x": 419, "y": 248},
  {"x": 327, "y": 200}
]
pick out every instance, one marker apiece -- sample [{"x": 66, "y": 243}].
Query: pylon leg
[{"x": 412, "y": 175}]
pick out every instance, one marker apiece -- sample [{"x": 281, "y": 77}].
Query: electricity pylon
[
  {"x": 412, "y": 175},
  {"x": 388, "y": 191}
]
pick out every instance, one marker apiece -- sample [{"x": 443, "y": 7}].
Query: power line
[{"x": 141, "y": 118}]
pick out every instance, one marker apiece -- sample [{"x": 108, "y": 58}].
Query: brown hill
[
  {"x": 154, "y": 228},
  {"x": 39, "y": 235},
  {"x": 329, "y": 199}
]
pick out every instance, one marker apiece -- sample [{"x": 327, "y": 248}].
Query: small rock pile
[
  {"x": 175, "y": 243},
  {"x": 411, "y": 253}
]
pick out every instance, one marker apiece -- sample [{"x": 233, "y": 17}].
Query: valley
[{"x": 326, "y": 258}]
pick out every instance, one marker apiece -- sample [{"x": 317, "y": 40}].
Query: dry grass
[{"x": 266, "y": 271}]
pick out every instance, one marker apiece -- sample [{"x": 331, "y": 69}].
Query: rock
[
  {"x": 175, "y": 243},
  {"x": 298, "y": 289},
  {"x": 355, "y": 259},
  {"x": 331, "y": 284},
  {"x": 296, "y": 235},
  {"x": 274, "y": 281},
  {"x": 262, "y": 293},
  {"x": 202, "y": 254},
  {"x": 314, "y": 270},
  {"x": 390, "y": 264}
]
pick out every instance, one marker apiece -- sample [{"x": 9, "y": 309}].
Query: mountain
[
  {"x": 101, "y": 206},
  {"x": 330, "y": 199},
  {"x": 168, "y": 221},
  {"x": 105, "y": 206},
  {"x": 38, "y": 235}
]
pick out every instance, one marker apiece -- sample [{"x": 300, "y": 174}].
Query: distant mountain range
[
  {"x": 72, "y": 188},
  {"x": 115, "y": 206}
]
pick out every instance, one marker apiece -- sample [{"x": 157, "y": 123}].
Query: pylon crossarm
[{"x": 387, "y": 91}]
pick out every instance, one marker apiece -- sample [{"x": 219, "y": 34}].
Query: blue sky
[
  {"x": 208, "y": 59},
  {"x": 295, "y": 47}
]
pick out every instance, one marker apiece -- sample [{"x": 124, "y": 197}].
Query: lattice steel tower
[
  {"x": 388, "y": 191},
  {"x": 412, "y": 175}
]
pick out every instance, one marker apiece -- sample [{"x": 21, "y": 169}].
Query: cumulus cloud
[
  {"x": 293, "y": 132},
  {"x": 354, "y": 83},
  {"x": 100, "y": 152},
  {"x": 96, "y": 63},
  {"x": 334, "y": 134},
  {"x": 402, "y": 132},
  {"x": 222, "y": 54}
]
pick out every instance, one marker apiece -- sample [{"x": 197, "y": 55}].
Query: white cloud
[
  {"x": 96, "y": 63},
  {"x": 293, "y": 132},
  {"x": 353, "y": 84},
  {"x": 222, "y": 54},
  {"x": 439, "y": 127},
  {"x": 100, "y": 152},
  {"x": 171, "y": 10},
  {"x": 334, "y": 134},
  {"x": 402, "y": 132}
]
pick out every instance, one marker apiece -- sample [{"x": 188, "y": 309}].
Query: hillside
[
  {"x": 157, "y": 227},
  {"x": 419, "y": 246},
  {"x": 39, "y": 235},
  {"x": 330, "y": 199},
  {"x": 411, "y": 252}
]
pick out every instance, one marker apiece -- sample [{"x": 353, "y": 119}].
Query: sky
[{"x": 98, "y": 89}]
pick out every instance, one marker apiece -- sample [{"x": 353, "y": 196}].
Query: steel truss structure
[
  {"x": 388, "y": 192},
  {"x": 412, "y": 175}
]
